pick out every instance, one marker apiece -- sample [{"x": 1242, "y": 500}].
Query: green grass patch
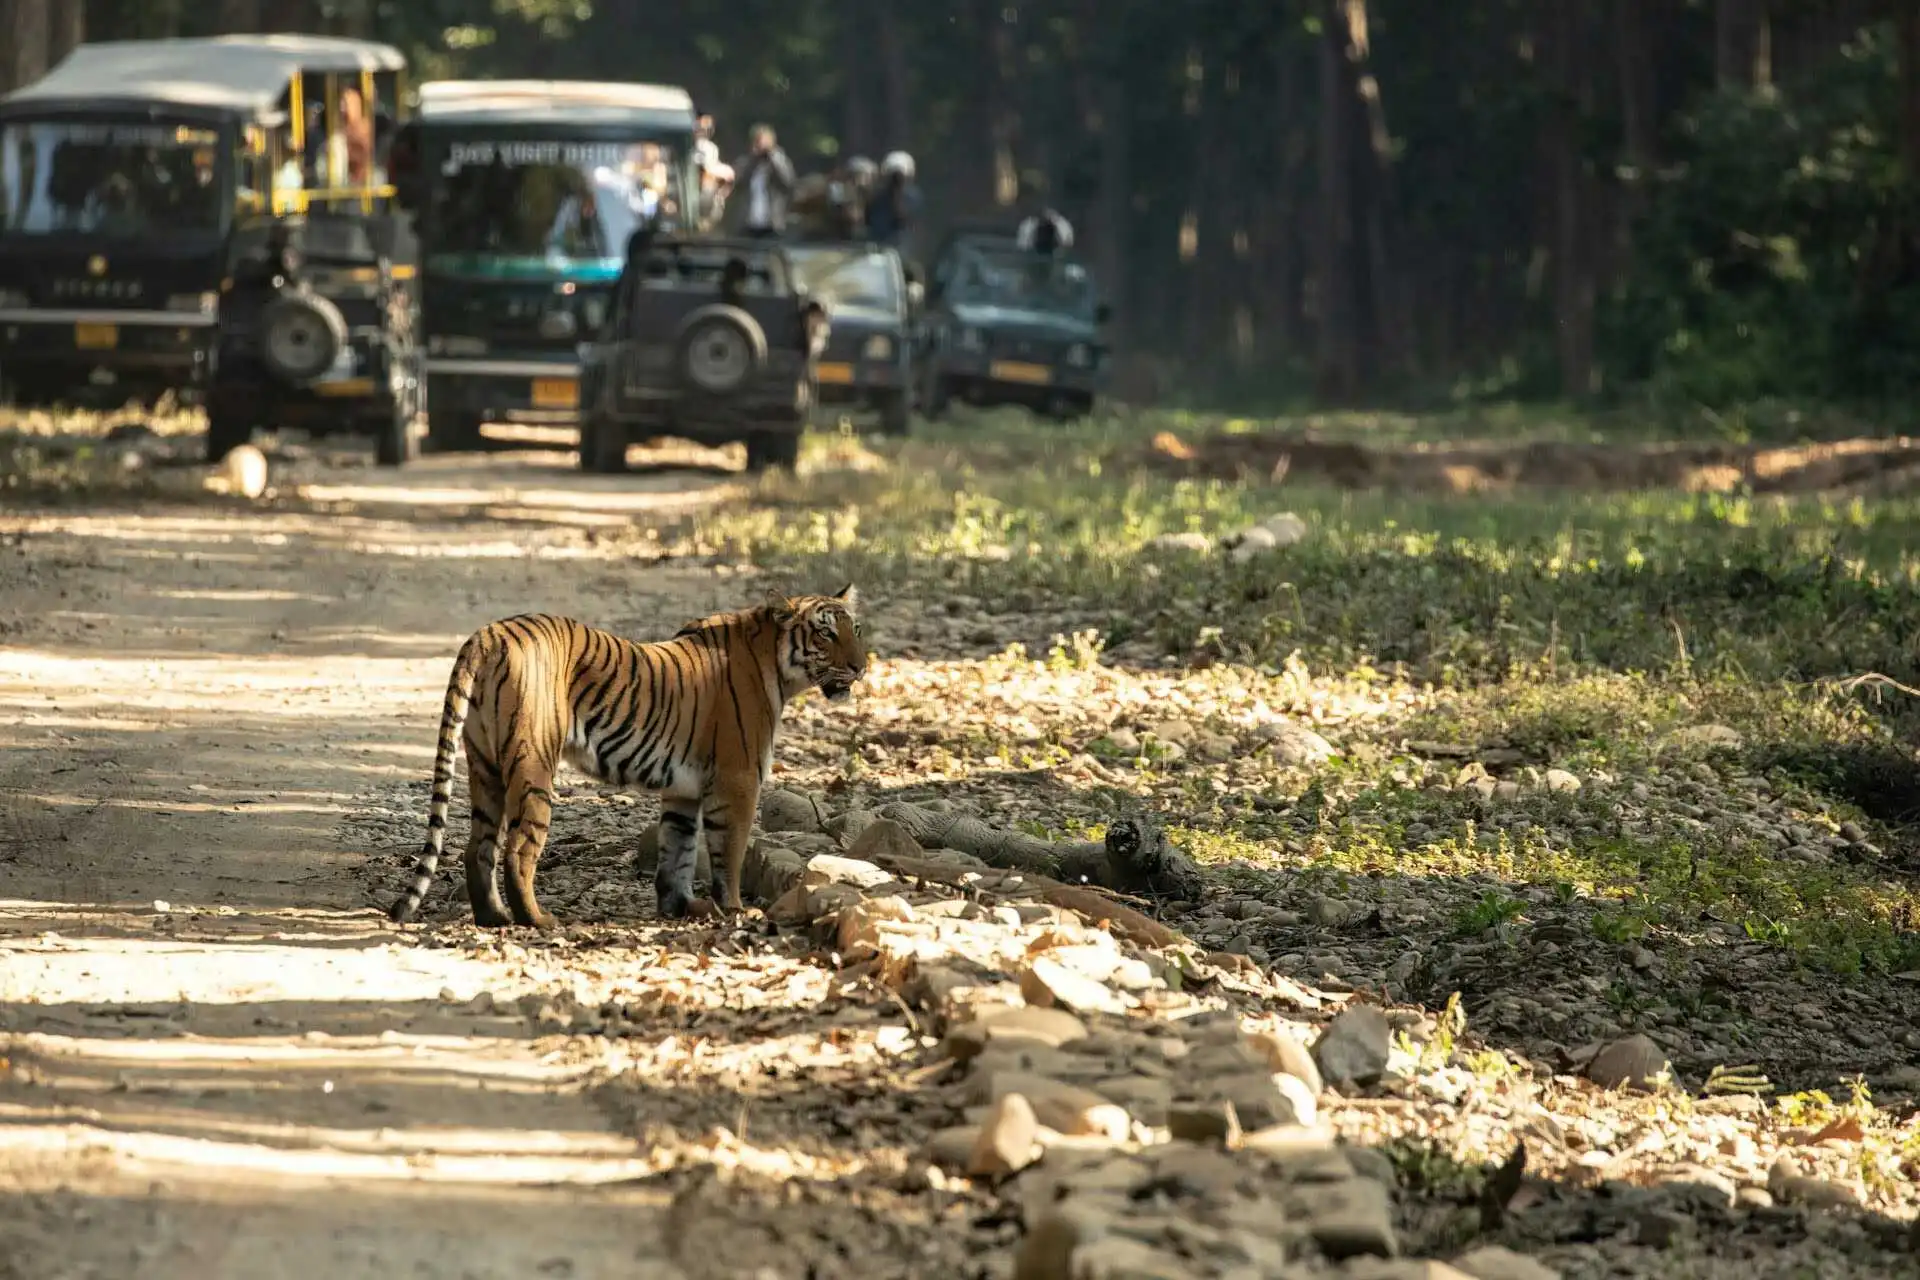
[{"x": 1581, "y": 630}]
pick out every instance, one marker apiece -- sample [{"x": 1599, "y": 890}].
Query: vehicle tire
[
  {"x": 395, "y": 445},
  {"x": 226, "y": 431},
  {"x": 301, "y": 335},
  {"x": 603, "y": 448},
  {"x": 1070, "y": 408},
  {"x": 453, "y": 431},
  {"x": 896, "y": 415},
  {"x": 934, "y": 403},
  {"x": 28, "y": 391},
  {"x": 769, "y": 449},
  {"x": 720, "y": 349}
]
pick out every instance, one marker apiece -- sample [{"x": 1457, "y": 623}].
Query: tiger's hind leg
[
  {"x": 529, "y": 813},
  {"x": 489, "y": 800},
  {"x": 679, "y": 855}
]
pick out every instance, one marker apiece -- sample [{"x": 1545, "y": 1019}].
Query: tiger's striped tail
[{"x": 453, "y": 718}]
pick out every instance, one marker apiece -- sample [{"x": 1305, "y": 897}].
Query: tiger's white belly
[{"x": 678, "y": 779}]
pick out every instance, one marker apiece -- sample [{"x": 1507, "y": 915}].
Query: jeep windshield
[
  {"x": 860, "y": 279},
  {"x": 1017, "y": 280},
  {"x": 539, "y": 208},
  {"x": 126, "y": 180}
]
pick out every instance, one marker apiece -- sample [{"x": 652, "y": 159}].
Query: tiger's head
[{"x": 821, "y": 643}]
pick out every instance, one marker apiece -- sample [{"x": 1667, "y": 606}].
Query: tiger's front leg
[{"x": 729, "y": 813}]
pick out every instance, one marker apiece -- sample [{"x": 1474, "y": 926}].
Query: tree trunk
[
  {"x": 1101, "y": 97},
  {"x": 985, "y": 134},
  {"x": 1574, "y": 200},
  {"x": 896, "y": 106},
  {"x": 1639, "y": 101},
  {"x": 69, "y": 29},
  {"x": 1001, "y": 107},
  {"x": 287, "y": 15},
  {"x": 1279, "y": 234},
  {"x": 1907, "y": 29},
  {"x": 856, "y": 59},
  {"x": 1389, "y": 329},
  {"x": 1740, "y": 39},
  {"x": 1335, "y": 285},
  {"x": 27, "y": 25},
  {"x": 239, "y": 16},
  {"x": 1200, "y": 239}
]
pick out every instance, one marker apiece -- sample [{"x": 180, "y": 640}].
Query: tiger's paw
[{"x": 678, "y": 904}]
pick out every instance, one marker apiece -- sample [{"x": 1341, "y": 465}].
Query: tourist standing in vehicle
[
  {"x": 1045, "y": 232},
  {"x": 895, "y": 203},
  {"x": 862, "y": 176},
  {"x": 716, "y": 176},
  {"x": 767, "y": 175},
  {"x": 350, "y": 151}
]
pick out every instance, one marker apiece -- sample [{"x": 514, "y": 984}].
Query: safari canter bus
[
  {"x": 524, "y": 195},
  {"x": 120, "y": 180},
  {"x": 135, "y": 173}
]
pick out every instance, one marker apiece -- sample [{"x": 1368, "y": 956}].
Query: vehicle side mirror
[{"x": 1102, "y": 313}]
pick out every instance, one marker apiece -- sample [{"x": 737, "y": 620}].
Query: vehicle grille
[{"x": 1041, "y": 350}]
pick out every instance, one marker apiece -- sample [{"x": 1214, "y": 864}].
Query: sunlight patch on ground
[
  {"x": 143, "y": 971},
  {"x": 155, "y": 1155},
  {"x": 435, "y": 1140},
  {"x": 208, "y": 593}
]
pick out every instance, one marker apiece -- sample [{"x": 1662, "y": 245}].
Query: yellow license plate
[
  {"x": 96, "y": 337},
  {"x": 344, "y": 388},
  {"x": 838, "y": 374},
  {"x": 1015, "y": 371},
  {"x": 556, "y": 393}
]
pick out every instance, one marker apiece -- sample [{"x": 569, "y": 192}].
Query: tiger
[{"x": 692, "y": 718}]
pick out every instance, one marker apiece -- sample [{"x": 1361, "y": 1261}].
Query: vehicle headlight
[
  {"x": 200, "y": 304},
  {"x": 972, "y": 340},
  {"x": 594, "y": 312},
  {"x": 878, "y": 347},
  {"x": 1079, "y": 355}
]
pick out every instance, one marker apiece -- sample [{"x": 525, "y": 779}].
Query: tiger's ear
[
  {"x": 779, "y": 606},
  {"x": 848, "y": 595}
]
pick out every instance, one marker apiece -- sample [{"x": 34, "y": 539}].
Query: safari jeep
[
  {"x": 1008, "y": 326},
  {"x": 873, "y": 308},
  {"x": 524, "y": 195},
  {"x": 709, "y": 340},
  {"x": 316, "y": 315}
]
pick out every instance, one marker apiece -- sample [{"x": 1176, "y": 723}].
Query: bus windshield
[
  {"x": 111, "y": 179},
  {"x": 535, "y": 207}
]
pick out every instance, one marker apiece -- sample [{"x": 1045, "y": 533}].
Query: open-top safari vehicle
[{"x": 710, "y": 339}]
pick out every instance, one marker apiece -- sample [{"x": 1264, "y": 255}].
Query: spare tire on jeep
[
  {"x": 720, "y": 349},
  {"x": 301, "y": 335}
]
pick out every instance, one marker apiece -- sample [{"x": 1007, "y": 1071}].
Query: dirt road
[{"x": 220, "y": 1061}]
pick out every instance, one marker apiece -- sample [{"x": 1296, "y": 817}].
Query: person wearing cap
[
  {"x": 895, "y": 201},
  {"x": 1045, "y": 232}
]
